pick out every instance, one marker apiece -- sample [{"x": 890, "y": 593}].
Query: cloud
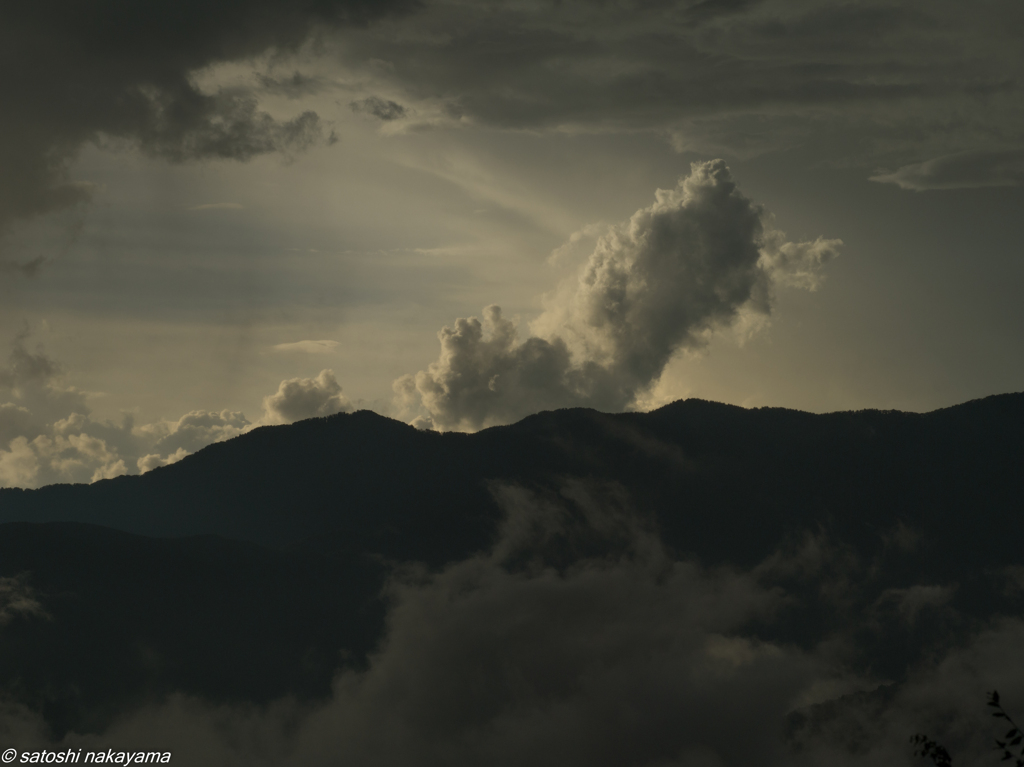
[
  {"x": 943, "y": 697},
  {"x": 796, "y": 264},
  {"x": 716, "y": 75},
  {"x": 193, "y": 431},
  {"x": 19, "y": 464},
  {"x": 696, "y": 260},
  {"x": 155, "y": 460},
  {"x": 218, "y": 206},
  {"x": 736, "y": 76},
  {"x": 485, "y": 375},
  {"x": 38, "y": 416},
  {"x": 28, "y": 268},
  {"x": 299, "y": 398},
  {"x": 526, "y": 655},
  {"x": 707, "y": 10},
  {"x": 235, "y": 129},
  {"x": 18, "y": 599},
  {"x": 47, "y": 433},
  {"x": 614, "y": 654},
  {"x": 294, "y": 87},
  {"x": 966, "y": 170},
  {"x": 72, "y": 75},
  {"x": 910, "y": 602},
  {"x": 578, "y": 639},
  {"x": 379, "y": 108},
  {"x": 308, "y": 347}
]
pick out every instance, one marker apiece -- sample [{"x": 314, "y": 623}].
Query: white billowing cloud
[
  {"x": 154, "y": 460},
  {"x": 58, "y": 458},
  {"x": 299, "y": 398},
  {"x": 485, "y": 375},
  {"x": 309, "y": 347},
  {"x": 964, "y": 170},
  {"x": 700, "y": 258},
  {"x": 19, "y": 464},
  {"x": 47, "y": 434},
  {"x": 796, "y": 264},
  {"x": 194, "y": 430}
]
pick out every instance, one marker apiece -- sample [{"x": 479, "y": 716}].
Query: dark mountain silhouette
[
  {"x": 254, "y": 568},
  {"x": 725, "y": 483},
  {"x": 126, "y": 620}
]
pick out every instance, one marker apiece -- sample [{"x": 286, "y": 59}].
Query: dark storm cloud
[
  {"x": 707, "y": 10},
  {"x": 228, "y": 126},
  {"x": 894, "y": 69},
  {"x": 896, "y": 77},
  {"x": 72, "y": 73},
  {"x": 378, "y": 107},
  {"x": 966, "y": 170},
  {"x": 698, "y": 259},
  {"x": 294, "y": 87}
]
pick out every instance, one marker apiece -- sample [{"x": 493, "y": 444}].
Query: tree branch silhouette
[
  {"x": 1013, "y": 737},
  {"x": 928, "y": 748}
]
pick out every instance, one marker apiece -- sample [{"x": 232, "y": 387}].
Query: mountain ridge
[
  {"x": 260, "y": 567},
  {"x": 369, "y": 476}
]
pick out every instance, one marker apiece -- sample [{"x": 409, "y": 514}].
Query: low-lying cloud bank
[
  {"x": 702, "y": 257},
  {"x": 48, "y": 436},
  {"x": 578, "y": 639}
]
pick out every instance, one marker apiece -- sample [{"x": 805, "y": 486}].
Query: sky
[{"x": 220, "y": 216}]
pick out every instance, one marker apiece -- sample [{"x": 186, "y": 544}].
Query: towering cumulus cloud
[{"x": 694, "y": 261}]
